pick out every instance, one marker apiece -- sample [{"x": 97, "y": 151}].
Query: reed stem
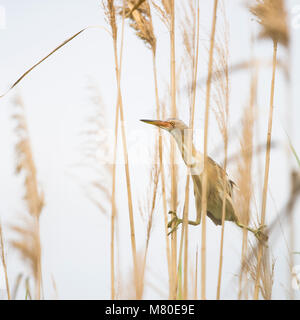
[
  {"x": 204, "y": 181},
  {"x": 267, "y": 167}
]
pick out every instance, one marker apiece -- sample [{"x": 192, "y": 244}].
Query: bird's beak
[{"x": 158, "y": 123}]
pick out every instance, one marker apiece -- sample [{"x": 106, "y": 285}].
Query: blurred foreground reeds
[{"x": 167, "y": 188}]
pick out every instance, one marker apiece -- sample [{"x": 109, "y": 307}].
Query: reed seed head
[
  {"x": 271, "y": 15},
  {"x": 140, "y": 21}
]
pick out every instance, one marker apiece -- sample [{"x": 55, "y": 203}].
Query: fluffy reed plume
[
  {"x": 141, "y": 21},
  {"x": 271, "y": 15},
  {"x": 221, "y": 98},
  {"x": 3, "y": 261},
  {"x": 111, "y": 14},
  {"x": 267, "y": 271},
  {"x": 29, "y": 234},
  {"x": 164, "y": 9},
  {"x": 204, "y": 180},
  {"x": 95, "y": 150}
]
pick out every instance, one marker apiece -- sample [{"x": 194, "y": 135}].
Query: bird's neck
[{"x": 184, "y": 139}]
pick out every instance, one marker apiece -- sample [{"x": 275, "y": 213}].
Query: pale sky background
[{"x": 75, "y": 234}]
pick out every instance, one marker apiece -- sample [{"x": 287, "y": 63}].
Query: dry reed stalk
[
  {"x": 113, "y": 207},
  {"x": 119, "y": 108},
  {"x": 291, "y": 221},
  {"x": 267, "y": 271},
  {"x": 3, "y": 260},
  {"x": 163, "y": 186},
  {"x": 141, "y": 22},
  {"x": 126, "y": 290},
  {"x": 186, "y": 243},
  {"x": 204, "y": 180},
  {"x": 267, "y": 166},
  {"x": 271, "y": 16},
  {"x": 166, "y": 11},
  {"x": 162, "y": 174},
  {"x": 250, "y": 262},
  {"x": 222, "y": 115},
  {"x": 183, "y": 243},
  {"x": 196, "y": 277},
  {"x": 289, "y": 159},
  {"x": 170, "y": 5},
  {"x": 24, "y": 75},
  {"x": 110, "y": 13},
  {"x": 291, "y": 248},
  {"x": 29, "y": 244},
  {"x": 150, "y": 208},
  {"x": 245, "y": 175},
  {"x": 190, "y": 26},
  {"x": 146, "y": 28},
  {"x": 16, "y": 286}
]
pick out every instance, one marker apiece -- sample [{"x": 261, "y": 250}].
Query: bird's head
[{"x": 169, "y": 124}]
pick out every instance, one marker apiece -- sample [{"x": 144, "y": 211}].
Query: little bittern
[{"x": 194, "y": 160}]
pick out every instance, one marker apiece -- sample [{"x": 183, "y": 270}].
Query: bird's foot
[
  {"x": 260, "y": 235},
  {"x": 174, "y": 223}
]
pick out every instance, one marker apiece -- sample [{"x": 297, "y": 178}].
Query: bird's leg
[
  {"x": 257, "y": 232},
  {"x": 175, "y": 222}
]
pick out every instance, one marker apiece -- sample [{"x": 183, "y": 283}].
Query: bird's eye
[{"x": 172, "y": 123}]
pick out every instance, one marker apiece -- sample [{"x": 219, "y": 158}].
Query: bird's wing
[
  {"x": 221, "y": 173},
  {"x": 197, "y": 193}
]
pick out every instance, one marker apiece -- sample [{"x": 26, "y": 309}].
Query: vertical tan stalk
[
  {"x": 162, "y": 174},
  {"x": 225, "y": 137},
  {"x": 129, "y": 194},
  {"x": 139, "y": 14},
  {"x": 222, "y": 230},
  {"x": 204, "y": 181},
  {"x": 113, "y": 207},
  {"x": 245, "y": 179},
  {"x": 39, "y": 262},
  {"x": 172, "y": 153},
  {"x": 196, "y": 277},
  {"x": 186, "y": 242},
  {"x": 110, "y": 13},
  {"x": 3, "y": 260},
  {"x": 192, "y": 48},
  {"x": 161, "y": 166},
  {"x": 267, "y": 166},
  {"x": 29, "y": 244},
  {"x": 167, "y": 15},
  {"x": 118, "y": 65},
  {"x": 154, "y": 177},
  {"x": 291, "y": 220}
]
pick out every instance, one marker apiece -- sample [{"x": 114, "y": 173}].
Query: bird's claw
[
  {"x": 174, "y": 223},
  {"x": 260, "y": 235}
]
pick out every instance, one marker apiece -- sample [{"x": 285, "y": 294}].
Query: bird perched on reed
[{"x": 194, "y": 160}]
